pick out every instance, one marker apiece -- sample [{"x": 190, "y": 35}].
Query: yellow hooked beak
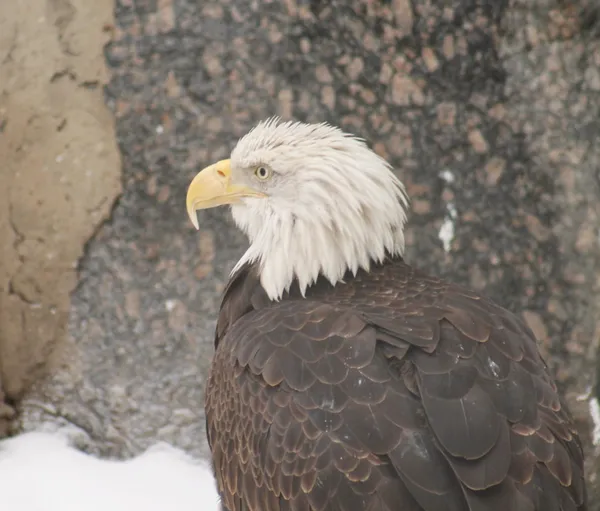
[{"x": 212, "y": 187}]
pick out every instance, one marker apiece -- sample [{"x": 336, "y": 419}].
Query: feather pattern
[{"x": 390, "y": 390}]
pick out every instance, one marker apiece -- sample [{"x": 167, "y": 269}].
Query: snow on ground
[{"x": 42, "y": 472}]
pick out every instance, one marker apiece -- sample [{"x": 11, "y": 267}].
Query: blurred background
[{"x": 488, "y": 109}]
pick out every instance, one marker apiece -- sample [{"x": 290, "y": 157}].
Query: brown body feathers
[{"x": 392, "y": 391}]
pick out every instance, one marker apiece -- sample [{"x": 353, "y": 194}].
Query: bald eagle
[{"x": 346, "y": 380}]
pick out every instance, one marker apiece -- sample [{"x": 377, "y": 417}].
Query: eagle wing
[{"x": 435, "y": 403}]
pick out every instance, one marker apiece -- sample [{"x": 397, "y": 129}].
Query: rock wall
[{"x": 59, "y": 178}]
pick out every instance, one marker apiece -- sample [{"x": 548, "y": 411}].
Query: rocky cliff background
[{"x": 489, "y": 110}]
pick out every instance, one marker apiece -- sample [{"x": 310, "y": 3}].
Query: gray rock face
[
  {"x": 59, "y": 176},
  {"x": 488, "y": 110}
]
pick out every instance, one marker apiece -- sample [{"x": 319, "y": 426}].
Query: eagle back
[{"x": 393, "y": 388}]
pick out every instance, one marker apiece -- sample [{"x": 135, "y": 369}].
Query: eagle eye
[{"x": 263, "y": 173}]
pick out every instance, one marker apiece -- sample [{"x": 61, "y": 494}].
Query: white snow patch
[
  {"x": 447, "y": 176},
  {"x": 585, "y": 395},
  {"x": 595, "y": 413},
  {"x": 446, "y": 234},
  {"x": 41, "y": 472}
]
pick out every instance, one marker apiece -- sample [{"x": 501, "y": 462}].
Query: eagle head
[{"x": 312, "y": 199}]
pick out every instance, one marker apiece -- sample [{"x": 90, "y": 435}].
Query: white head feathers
[{"x": 332, "y": 204}]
